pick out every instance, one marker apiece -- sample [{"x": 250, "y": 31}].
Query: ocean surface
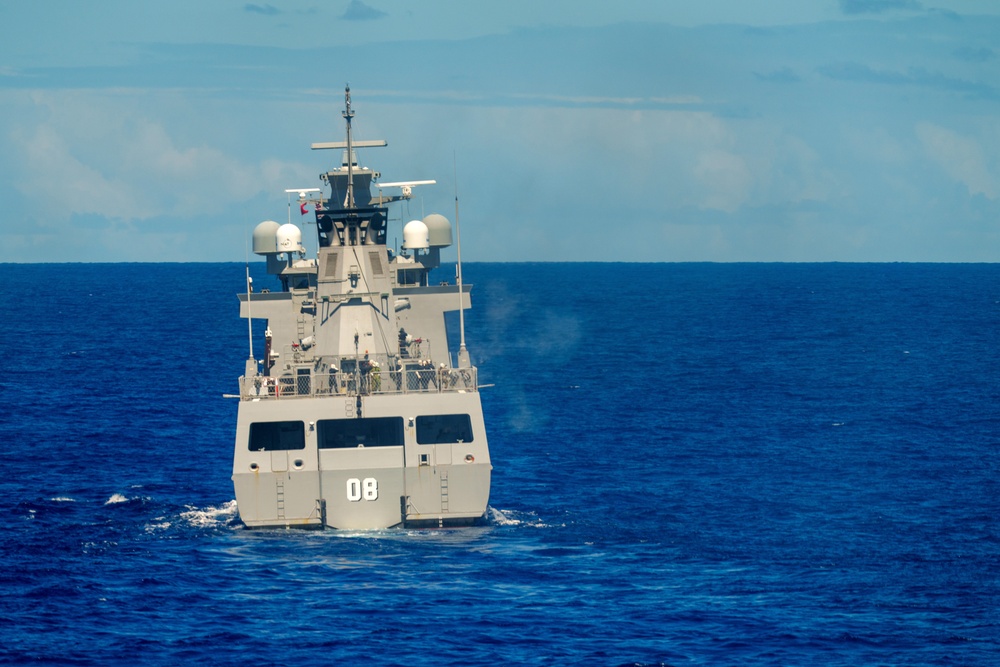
[{"x": 694, "y": 464}]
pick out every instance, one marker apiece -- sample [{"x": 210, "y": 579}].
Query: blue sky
[{"x": 742, "y": 130}]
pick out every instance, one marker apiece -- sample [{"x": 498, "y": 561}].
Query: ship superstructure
[{"x": 358, "y": 416}]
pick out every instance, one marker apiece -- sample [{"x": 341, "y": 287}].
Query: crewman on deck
[
  {"x": 364, "y": 367},
  {"x": 404, "y": 344}
]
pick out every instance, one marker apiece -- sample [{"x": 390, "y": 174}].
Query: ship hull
[{"x": 294, "y": 469}]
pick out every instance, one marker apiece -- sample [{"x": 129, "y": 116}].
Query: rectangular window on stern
[
  {"x": 365, "y": 432},
  {"x": 277, "y": 436},
  {"x": 440, "y": 429}
]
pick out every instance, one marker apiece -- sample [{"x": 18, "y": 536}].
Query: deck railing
[{"x": 406, "y": 380}]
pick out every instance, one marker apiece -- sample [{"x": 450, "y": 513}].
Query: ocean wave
[
  {"x": 162, "y": 525},
  {"x": 210, "y": 517},
  {"x": 498, "y": 517}
]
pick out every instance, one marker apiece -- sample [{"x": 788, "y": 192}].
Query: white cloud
[
  {"x": 112, "y": 157},
  {"x": 50, "y": 171},
  {"x": 794, "y": 170},
  {"x": 962, "y": 158},
  {"x": 726, "y": 179}
]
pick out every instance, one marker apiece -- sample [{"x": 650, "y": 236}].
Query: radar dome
[
  {"x": 265, "y": 240},
  {"x": 415, "y": 235},
  {"x": 289, "y": 238},
  {"x": 439, "y": 230}
]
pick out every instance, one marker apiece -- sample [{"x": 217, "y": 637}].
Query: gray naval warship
[{"x": 358, "y": 416}]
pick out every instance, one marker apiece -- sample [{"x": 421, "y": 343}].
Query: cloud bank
[{"x": 621, "y": 142}]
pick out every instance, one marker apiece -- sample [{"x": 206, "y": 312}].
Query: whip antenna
[
  {"x": 463, "y": 354},
  {"x": 251, "y": 362},
  {"x": 348, "y": 115}
]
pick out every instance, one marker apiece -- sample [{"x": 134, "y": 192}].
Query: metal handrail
[
  {"x": 416, "y": 350},
  {"x": 415, "y": 378}
]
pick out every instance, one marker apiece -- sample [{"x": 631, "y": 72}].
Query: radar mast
[{"x": 348, "y": 115}]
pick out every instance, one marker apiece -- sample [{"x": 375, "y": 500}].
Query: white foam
[
  {"x": 210, "y": 516},
  {"x": 61, "y": 499},
  {"x": 374, "y": 533},
  {"x": 513, "y": 518},
  {"x": 153, "y": 527},
  {"x": 116, "y": 498}
]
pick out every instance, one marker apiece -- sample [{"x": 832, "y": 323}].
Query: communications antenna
[
  {"x": 251, "y": 362},
  {"x": 463, "y": 354}
]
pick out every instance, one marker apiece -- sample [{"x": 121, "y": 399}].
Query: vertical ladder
[
  {"x": 281, "y": 497},
  {"x": 444, "y": 491}
]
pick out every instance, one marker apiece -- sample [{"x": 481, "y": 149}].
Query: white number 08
[{"x": 358, "y": 489}]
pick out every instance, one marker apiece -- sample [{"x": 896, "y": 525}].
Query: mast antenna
[
  {"x": 251, "y": 362},
  {"x": 463, "y": 354},
  {"x": 348, "y": 115}
]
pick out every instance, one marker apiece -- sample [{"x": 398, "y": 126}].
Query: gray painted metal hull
[{"x": 436, "y": 485}]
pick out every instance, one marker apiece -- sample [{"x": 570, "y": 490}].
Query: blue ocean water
[{"x": 740, "y": 464}]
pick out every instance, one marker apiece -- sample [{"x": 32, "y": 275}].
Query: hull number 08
[{"x": 366, "y": 489}]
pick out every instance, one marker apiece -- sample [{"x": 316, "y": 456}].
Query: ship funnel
[
  {"x": 289, "y": 238},
  {"x": 439, "y": 230},
  {"x": 265, "y": 240},
  {"x": 415, "y": 235}
]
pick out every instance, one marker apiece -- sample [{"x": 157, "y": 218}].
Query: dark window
[
  {"x": 277, "y": 436},
  {"x": 370, "y": 432},
  {"x": 437, "y": 429}
]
